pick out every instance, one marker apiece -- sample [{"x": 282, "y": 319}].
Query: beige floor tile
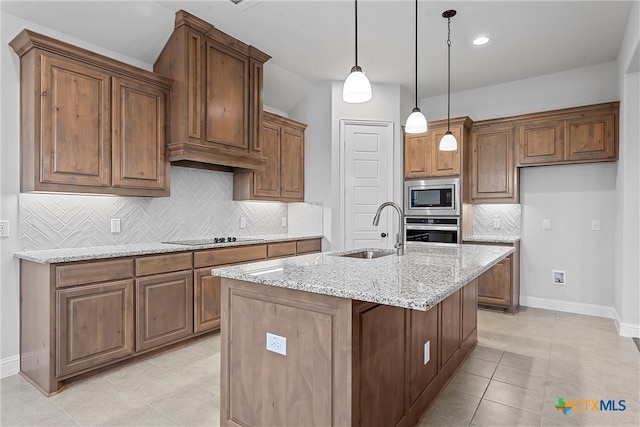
[
  {"x": 537, "y": 312},
  {"x": 514, "y": 396},
  {"x": 154, "y": 388},
  {"x": 464, "y": 382},
  {"x": 207, "y": 346},
  {"x": 520, "y": 378},
  {"x": 113, "y": 407},
  {"x": 176, "y": 359},
  {"x": 461, "y": 404},
  {"x": 495, "y": 414},
  {"x": 27, "y": 409},
  {"x": 487, "y": 353},
  {"x": 84, "y": 392},
  {"x": 571, "y": 389},
  {"x": 534, "y": 365},
  {"x": 146, "y": 416},
  {"x": 134, "y": 373},
  {"x": 582, "y": 373},
  {"x": 479, "y": 367},
  {"x": 441, "y": 418},
  {"x": 191, "y": 406},
  {"x": 496, "y": 340}
]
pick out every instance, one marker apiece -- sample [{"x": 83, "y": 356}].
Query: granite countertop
[
  {"x": 114, "y": 251},
  {"x": 419, "y": 279},
  {"x": 491, "y": 239}
]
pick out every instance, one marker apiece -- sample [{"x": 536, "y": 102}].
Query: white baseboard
[
  {"x": 625, "y": 329},
  {"x": 9, "y": 366},
  {"x": 568, "y": 306}
]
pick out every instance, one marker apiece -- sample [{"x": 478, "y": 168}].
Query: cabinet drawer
[
  {"x": 93, "y": 272},
  {"x": 305, "y": 246},
  {"x": 281, "y": 249},
  {"x": 164, "y": 263},
  {"x": 229, "y": 255}
]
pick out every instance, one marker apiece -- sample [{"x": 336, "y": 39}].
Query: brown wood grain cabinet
[
  {"x": 499, "y": 287},
  {"x": 90, "y": 124},
  {"x": 283, "y": 177},
  {"x": 494, "y": 176},
  {"x": 216, "y": 106},
  {"x": 422, "y": 156},
  {"x": 371, "y": 356}
]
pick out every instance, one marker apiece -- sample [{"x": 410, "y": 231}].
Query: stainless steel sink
[{"x": 367, "y": 254}]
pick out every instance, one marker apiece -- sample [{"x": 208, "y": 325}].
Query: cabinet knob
[{"x": 383, "y": 234}]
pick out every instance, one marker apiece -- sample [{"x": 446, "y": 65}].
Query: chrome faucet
[{"x": 399, "y": 245}]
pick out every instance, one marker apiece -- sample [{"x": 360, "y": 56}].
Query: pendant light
[
  {"x": 416, "y": 122},
  {"x": 448, "y": 141},
  {"x": 356, "y": 88}
]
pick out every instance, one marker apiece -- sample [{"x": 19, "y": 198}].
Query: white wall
[{"x": 571, "y": 196}]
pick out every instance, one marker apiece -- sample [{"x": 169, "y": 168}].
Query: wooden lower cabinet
[
  {"x": 372, "y": 357},
  {"x": 206, "y": 300},
  {"x": 95, "y": 326},
  {"x": 164, "y": 309},
  {"x": 500, "y": 286}
]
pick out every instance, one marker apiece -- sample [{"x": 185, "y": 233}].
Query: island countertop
[{"x": 419, "y": 279}]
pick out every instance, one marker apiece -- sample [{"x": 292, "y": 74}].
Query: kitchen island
[{"x": 338, "y": 340}]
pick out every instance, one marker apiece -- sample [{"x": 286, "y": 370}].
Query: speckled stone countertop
[
  {"x": 491, "y": 239},
  {"x": 114, "y": 251},
  {"x": 419, "y": 279}
]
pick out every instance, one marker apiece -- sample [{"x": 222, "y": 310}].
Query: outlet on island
[{"x": 277, "y": 344}]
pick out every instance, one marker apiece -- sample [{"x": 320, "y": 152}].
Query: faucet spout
[{"x": 399, "y": 245}]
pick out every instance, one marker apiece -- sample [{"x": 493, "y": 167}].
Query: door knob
[{"x": 383, "y": 234}]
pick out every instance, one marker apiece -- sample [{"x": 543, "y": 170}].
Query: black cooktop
[{"x": 199, "y": 242}]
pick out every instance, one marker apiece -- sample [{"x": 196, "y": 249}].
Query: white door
[{"x": 367, "y": 166}]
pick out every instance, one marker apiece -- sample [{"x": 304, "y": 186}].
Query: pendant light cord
[
  {"x": 449, "y": 77},
  {"x": 416, "y": 73},
  {"x": 356, "y": 16}
]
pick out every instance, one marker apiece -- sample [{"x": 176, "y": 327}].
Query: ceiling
[{"x": 313, "y": 41}]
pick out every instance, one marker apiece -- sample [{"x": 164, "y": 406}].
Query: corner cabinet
[
  {"x": 494, "y": 176},
  {"x": 216, "y": 106},
  {"x": 422, "y": 157},
  {"x": 283, "y": 178},
  {"x": 90, "y": 124}
]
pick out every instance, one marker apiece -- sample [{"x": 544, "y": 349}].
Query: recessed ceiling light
[{"x": 481, "y": 40}]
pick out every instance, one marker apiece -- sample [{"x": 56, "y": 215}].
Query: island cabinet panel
[
  {"x": 164, "y": 309},
  {"x": 310, "y": 385},
  {"x": 469, "y": 311},
  {"x": 378, "y": 382},
  {"x": 450, "y": 318},
  {"x": 422, "y": 328},
  {"x": 95, "y": 326}
]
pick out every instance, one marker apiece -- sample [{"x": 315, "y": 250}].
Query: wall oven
[
  {"x": 432, "y": 197},
  {"x": 430, "y": 230}
]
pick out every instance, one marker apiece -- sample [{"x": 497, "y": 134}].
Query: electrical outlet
[
  {"x": 595, "y": 225},
  {"x": 496, "y": 223},
  {"x": 277, "y": 344},
  {"x": 559, "y": 277},
  {"x": 284, "y": 221},
  {"x": 4, "y": 228},
  {"x": 243, "y": 222},
  {"x": 546, "y": 224},
  {"x": 427, "y": 352},
  {"x": 115, "y": 225}
]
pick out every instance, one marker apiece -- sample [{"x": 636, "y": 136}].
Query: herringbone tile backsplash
[
  {"x": 200, "y": 206},
  {"x": 510, "y": 218}
]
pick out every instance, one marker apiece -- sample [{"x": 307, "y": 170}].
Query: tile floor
[{"x": 522, "y": 365}]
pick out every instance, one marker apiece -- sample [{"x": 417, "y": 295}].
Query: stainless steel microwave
[{"x": 439, "y": 197}]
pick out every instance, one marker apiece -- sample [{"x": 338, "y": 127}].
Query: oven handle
[{"x": 429, "y": 227}]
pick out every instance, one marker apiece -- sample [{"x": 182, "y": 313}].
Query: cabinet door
[
  {"x": 266, "y": 183},
  {"x": 450, "y": 327},
  {"x": 493, "y": 173},
  {"x": 227, "y": 97},
  {"x": 445, "y": 163},
  {"x": 423, "y": 327},
  {"x": 591, "y": 137},
  {"x": 138, "y": 136},
  {"x": 494, "y": 286},
  {"x": 75, "y": 124},
  {"x": 95, "y": 325},
  {"x": 540, "y": 142},
  {"x": 164, "y": 309},
  {"x": 206, "y": 300},
  {"x": 381, "y": 366},
  {"x": 417, "y": 155},
  {"x": 469, "y": 308},
  {"x": 291, "y": 165}
]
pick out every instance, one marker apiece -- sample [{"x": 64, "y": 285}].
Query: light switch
[
  {"x": 243, "y": 222},
  {"x": 546, "y": 224},
  {"x": 115, "y": 225},
  {"x": 496, "y": 223}
]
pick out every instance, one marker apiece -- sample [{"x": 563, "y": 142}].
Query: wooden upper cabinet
[
  {"x": 422, "y": 156},
  {"x": 216, "y": 106},
  {"x": 90, "y": 124},
  {"x": 282, "y": 144},
  {"x": 493, "y": 172},
  {"x": 540, "y": 141},
  {"x": 572, "y": 135}
]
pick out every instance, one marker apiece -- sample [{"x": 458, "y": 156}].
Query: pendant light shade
[
  {"x": 416, "y": 122},
  {"x": 356, "y": 88},
  {"x": 448, "y": 141}
]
